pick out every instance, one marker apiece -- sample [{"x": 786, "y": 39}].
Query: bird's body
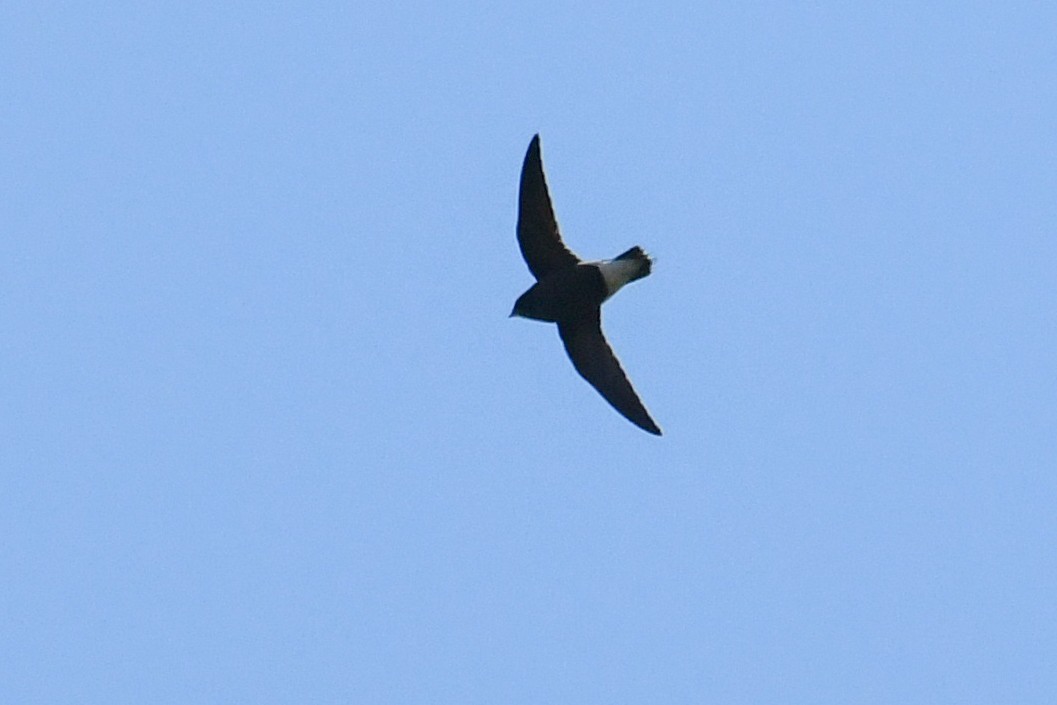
[
  {"x": 563, "y": 294},
  {"x": 570, "y": 292}
]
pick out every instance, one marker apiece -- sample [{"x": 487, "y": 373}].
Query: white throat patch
[{"x": 617, "y": 273}]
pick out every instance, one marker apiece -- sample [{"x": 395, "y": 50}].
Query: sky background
[{"x": 268, "y": 436}]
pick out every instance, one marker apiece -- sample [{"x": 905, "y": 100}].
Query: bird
[{"x": 570, "y": 292}]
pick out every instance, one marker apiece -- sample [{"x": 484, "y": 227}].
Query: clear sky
[{"x": 268, "y": 436}]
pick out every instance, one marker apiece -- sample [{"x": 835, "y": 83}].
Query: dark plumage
[{"x": 570, "y": 292}]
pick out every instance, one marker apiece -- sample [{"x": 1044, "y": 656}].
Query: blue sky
[{"x": 267, "y": 434}]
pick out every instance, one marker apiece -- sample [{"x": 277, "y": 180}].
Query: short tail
[{"x": 643, "y": 263}]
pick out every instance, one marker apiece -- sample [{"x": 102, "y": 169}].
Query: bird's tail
[{"x": 643, "y": 265}]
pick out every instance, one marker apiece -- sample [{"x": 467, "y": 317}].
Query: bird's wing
[
  {"x": 537, "y": 230},
  {"x": 595, "y": 361}
]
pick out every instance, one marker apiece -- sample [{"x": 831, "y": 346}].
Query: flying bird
[{"x": 570, "y": 292}]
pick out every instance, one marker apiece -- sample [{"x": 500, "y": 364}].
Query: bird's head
[
  {"x": 527, "y": 306},
  {"x": 519, "y": 308}
]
